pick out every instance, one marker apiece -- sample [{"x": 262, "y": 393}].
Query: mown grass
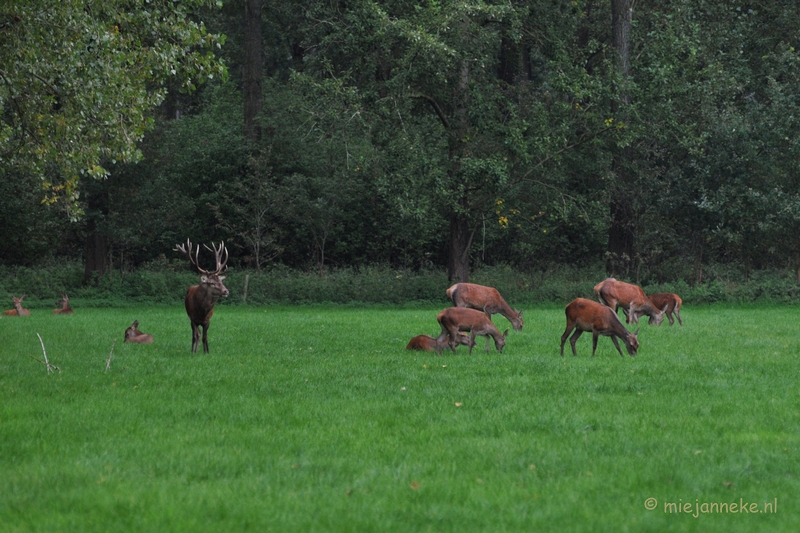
[{"x": 317, "y": 419}]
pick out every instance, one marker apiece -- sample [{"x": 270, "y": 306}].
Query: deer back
[{"x": 486, "y": 299}]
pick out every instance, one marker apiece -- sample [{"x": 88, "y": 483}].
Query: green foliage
[
  {"x": 166, "y": 283},
  {"x": 79, "y": 80}
]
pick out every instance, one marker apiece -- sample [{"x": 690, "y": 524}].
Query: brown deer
[
  {"x": 18, "y": 310},
  {"x": 200, "y": 299},
  {"x": 65, "y": 309},
  {"x": 588, "y": 315},
  {"x": 456, "y": 319},
  {"x": 132, "y": 334},
  {"x": 427, "y": 343},
  {"x": 631, "y": 298},
  {"x": 669, "y": 303},
  {"x": 486, "y": 299}
]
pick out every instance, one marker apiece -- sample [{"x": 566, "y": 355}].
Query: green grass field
[{"x": 318, "y": 419}]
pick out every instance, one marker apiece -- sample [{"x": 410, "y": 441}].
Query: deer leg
[
  {"x": 564, "y": 339},
  {"x": 195, "y": 337},
  {"x": 613, "y": 338},
  {"x": 574, "y": 339},
  {"x": 677, "y": 314},
  {"x": 205, "y": 338},
  {"x": 440, "y": 340},
  {"x": 471, "y": 341},
  {"x": 595, "y": 336}
]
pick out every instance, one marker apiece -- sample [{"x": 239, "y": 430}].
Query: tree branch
[{"x": 435, "y": 106}]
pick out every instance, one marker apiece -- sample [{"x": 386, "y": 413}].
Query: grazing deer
[
  {"x": 65, "y": 309},
  {"x": 427, "y": 343},
  {"x": 486, "y": 299},
  {"x": 588, "y": 315},
  {"x": 18, "y": 310},
  {"x": 456, "y": 319},
  {"x": 669, "y": 303},
  {"x": 631, "y": 298},
  {"x": 132, "y": 334},
  {"x": 200, "y": 299}
]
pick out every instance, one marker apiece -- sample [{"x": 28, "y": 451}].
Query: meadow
[{"x": 316, "y": 418}]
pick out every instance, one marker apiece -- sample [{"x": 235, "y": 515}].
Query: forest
[{"x": 655, "y": 138}]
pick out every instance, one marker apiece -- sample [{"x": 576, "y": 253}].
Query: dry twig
[
  {"x": 50, "y": 368},
  {"x": 108, "y": 361}
]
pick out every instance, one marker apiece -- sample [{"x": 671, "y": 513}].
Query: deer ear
[
  {"x": 505, "y": 333},
  {"x": 222, "y": 277},
  {"x": 203, "y": 279},
  {"x": 635, "y": 333}
]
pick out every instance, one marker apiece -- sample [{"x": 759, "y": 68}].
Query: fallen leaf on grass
[
  {"x": 414, "y": 485},
  {"x": 459, "y": 404}
]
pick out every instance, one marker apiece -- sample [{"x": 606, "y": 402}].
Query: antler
[{"x": 218, "y": 251}]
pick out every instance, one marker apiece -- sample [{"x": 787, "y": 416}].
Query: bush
[{"x": 164, "y": 284}]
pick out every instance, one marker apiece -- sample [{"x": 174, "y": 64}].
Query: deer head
[{"x": 211, "y": 279}]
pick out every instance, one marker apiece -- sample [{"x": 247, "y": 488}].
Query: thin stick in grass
[
  {"x": 50, "y": 368},
  {"x": 108, "y": 361}
]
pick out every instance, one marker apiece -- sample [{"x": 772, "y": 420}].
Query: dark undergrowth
[{"x": 371, "y": 285}]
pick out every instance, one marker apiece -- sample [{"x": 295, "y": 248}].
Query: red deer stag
[
  {"x": 132, "y": 334},
  {"x": 456, "y": 319},
  {"x": 426, "y": 343},
  {"x": 486, "y": 299},
  {"x": 18, "y": 310},
  {"x": 65, "y": 309},
  {"x": 669, "y": 303},
  {"x": 200, "y": 299},
  {"x": 631, "y": 298},
  {"x": 588, "y": 315}
]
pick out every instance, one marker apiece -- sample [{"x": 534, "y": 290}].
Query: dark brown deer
[
  {"x": 65, "y": 309},
  {"x": 669, "y": 303},
  {"x": 588, "y": 315},
  {"x": 200, "y": 299},
  {"x": 631, "y": 298},
  {"x": 486, "y": 299},
  {"x": 427, "y": 343},
  {"x": 132, "y": 334},
  {"x": 456, "y": 319},
  {"x": 18, "y": 310}
]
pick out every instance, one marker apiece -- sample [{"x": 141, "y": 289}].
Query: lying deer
[
  {"x": 588, "y": 315},
  {"x": 18, "y": 310},
  {"x": 132, "y": 334},
  {"x": 65, "y": 309},
  {"x": 427, "y": 343},
  {"x": 456, "y": 319}
]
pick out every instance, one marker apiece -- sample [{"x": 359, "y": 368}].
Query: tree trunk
[
  {"x": 252, "y": 69},
  {"x": 96, "y": 242},
  {"x": 460, "y": 242},
  {"x": 96, "y": 249},
  {"x": 622, "y": 230}
]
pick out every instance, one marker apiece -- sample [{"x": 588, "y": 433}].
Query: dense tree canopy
[
  {"x": 655, "y": 137},
  {"x": 78, "y": 80}
]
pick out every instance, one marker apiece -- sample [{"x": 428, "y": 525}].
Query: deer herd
[
  {"x": 468, "y": 318},
  {"x": 474, "y": 305}
]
